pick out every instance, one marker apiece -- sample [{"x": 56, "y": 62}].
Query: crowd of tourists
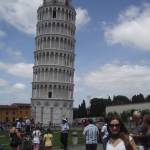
[
  {"x": 25, "y": 135},
  {"x": 115, "y": 136}
]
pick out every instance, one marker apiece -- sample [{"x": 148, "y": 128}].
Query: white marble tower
[{"x": 53, "y": 71}]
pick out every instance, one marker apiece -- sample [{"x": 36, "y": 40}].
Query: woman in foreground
[{"x": 119, "y": 138}]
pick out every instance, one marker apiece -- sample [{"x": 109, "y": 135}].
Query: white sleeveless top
[
  {"x": 120, "y": 146},
  {"x": 36, "y": 136}
]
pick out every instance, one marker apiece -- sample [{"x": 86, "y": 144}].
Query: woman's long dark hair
[{"x": 123, "y": 134}]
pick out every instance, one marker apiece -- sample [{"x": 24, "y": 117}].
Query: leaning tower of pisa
[{"x": 53, "y": 70}]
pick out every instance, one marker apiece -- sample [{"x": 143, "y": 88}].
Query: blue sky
[{"x": 112, "y": 48}]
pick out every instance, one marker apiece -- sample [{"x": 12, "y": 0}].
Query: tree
[
  {"x": 108, "y": 101},
  {"x": 120, "y": 99},
  {"x": 138, "y": 98},
  {"x": 125, "y": 116},
  {"x": 110, "y": 114},
  {"x": 83, "y": 109},
  {"x": 79, "y": 111},
  {"x": 75, "y": 113},
  {"x": 98, "y": 106},
  {"x": 147, "y": 98}
]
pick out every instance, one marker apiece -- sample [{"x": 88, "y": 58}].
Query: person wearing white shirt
[
  {"x": 36, "y": 139},
  {"x": 104, "y": 134},
  {"x": 64, "y": 133},
  {"x": 28, "y": 126},
  {"x": 119, "y": 138},
  {"x": 18, "y": 124},
  {"x": 91, "y": 134}
]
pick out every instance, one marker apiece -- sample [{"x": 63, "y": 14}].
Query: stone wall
[{"x": 120, "y": 108}]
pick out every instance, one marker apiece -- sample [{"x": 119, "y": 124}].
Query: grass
[
  {"x": 4, "y": 138},
  {"x": 56, "y": 139}
]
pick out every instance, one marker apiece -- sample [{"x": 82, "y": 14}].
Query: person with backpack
[
  {"x": 36, "y": 138},
  {"x": 15, "y": 138},
  {"x": 48, "y": 140}
]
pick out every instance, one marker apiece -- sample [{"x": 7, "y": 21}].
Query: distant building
[
  {"x": 120, "y": 108},
  {"x": 14, "y": 111}
]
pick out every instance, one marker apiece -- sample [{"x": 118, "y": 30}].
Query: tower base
[{"x": 52, "y": 111}]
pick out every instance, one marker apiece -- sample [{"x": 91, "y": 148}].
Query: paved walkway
[{"x": 81, "y": 147}]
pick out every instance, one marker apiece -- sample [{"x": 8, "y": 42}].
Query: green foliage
[
  {"x": 98, "y": 105},
  {"x": 125, "y": 115},
  {"x": 120, "y": 99},
  {"x": 4, "y": 140},
  {"x": 75, "y": 113},
  {"x": 146, "y": 111},
  {"x": 138, "y": 98},
  {"x": 81, "y": 111},
  {"x": 110, "y": 114},
  {"x": 147, "y": 99}
]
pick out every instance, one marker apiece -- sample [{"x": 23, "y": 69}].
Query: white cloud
[
  {"x": 18, "y": 87},
  {"x": 22, "y": 14},
  {"x": 82, "y": 17},
  {"x": 8, "y": 87},
  {"x": 11, "y": 93},
  {"x": 132, "y": 28},
  {"x": 114, "y": 79},
  {"x": 20, "y": 69}
]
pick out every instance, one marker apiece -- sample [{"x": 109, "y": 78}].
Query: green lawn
[{"x": 4, "y": 139}]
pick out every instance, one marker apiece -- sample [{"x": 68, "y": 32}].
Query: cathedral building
[
  {"x": 9, "y": 113},
  {"x": 54, "y": 55}
]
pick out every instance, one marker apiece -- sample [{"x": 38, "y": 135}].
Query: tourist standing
[
  {"x": 28, "y": 126},
  {"x": 139, "y": 132},
  {"x": 64, "y": 133},
  {"x": 48, "y": 140},
  {"x": 119, "y": 138},
  {"x": 147, "y": 135},
  {"x": 91, "y": 134},
  {"x": 18, "y": 124},
  {"x": 36, "y": 138},
  {"x": 15, "y": 138},
  {"x": 104, "y": 134}
]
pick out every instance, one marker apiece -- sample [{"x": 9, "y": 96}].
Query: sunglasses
[{"x": 114, "y": 125}]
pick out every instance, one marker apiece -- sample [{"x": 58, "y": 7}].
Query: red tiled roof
[
  {"x": 15, "y": 105},
  {"x": 20, "y": 104},
  {"x": 7, "y": 107}
]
